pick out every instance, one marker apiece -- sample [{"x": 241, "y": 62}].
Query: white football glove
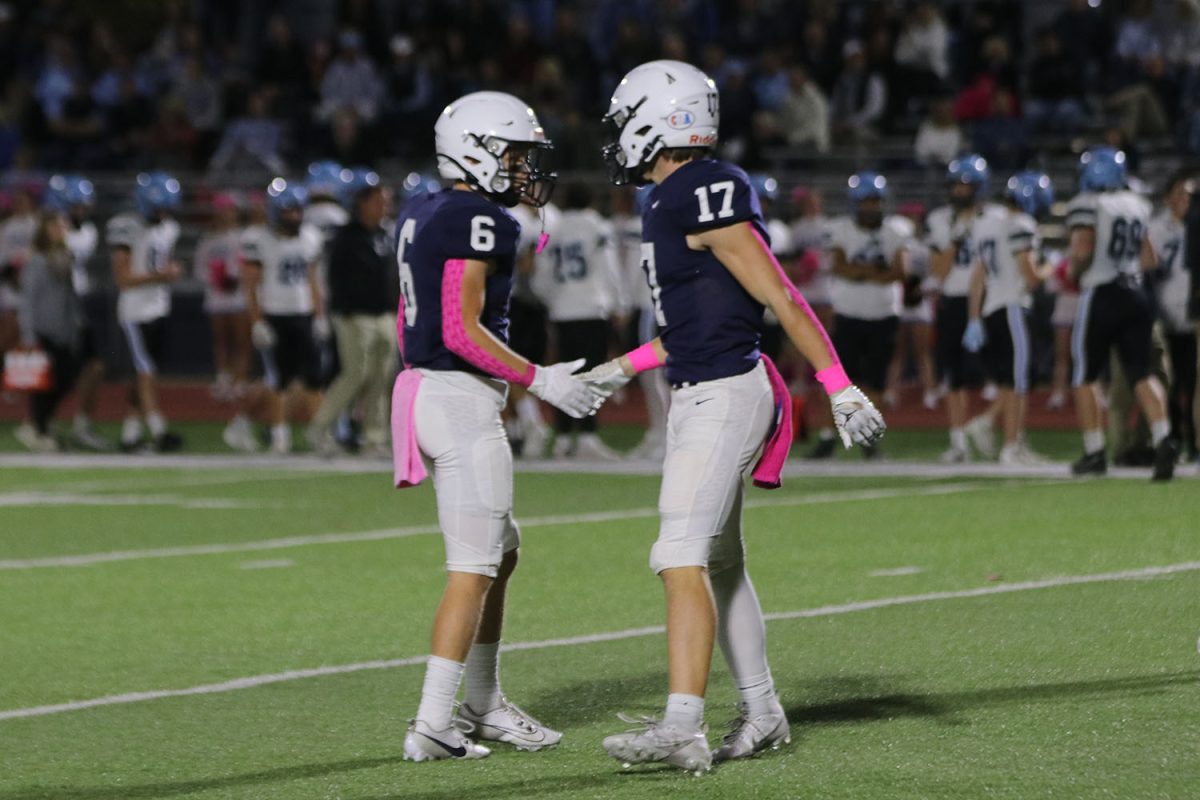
[
  {"x": 322, "y": 329},
  {"x": 263, "y": 335},
  {"x": 606, "y": 378},
  {"x": 558, "y": 386},
  {"x": 856, "y": 418}
]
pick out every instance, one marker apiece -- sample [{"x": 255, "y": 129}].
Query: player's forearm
[
  {"x": 807, "y": 334},
  {"x": 975, "y": 294},
  {"x": 479, "y": 347},
  {"x": 651, "y": 355}
]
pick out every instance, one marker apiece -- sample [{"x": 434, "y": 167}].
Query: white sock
[
  {"x": 958, "y": 438},
  {"x": 156, "y": 424},
  {"x": 442, "y": 677},
  {"x": 742, "y": 635},
  {"x": 239, "y": 422},
  {"x": 1159, "y": 430},
  {"x": 82, "y": 423},
  {"x": 530, "y": 413},
  {"x": 482, "y": 677},
  {"x": 131, "y": 430},
  {"x": 1093, "y": 441},
  {"x": 684, "y": 710},
  {"x": 825, "y": 434},
  {"x": 281, "y": 434}
]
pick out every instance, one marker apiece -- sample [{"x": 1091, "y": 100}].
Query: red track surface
[{"x": 191, "y": 401}]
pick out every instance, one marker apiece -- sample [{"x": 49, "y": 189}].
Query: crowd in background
[{"x": 260, "y": 84}]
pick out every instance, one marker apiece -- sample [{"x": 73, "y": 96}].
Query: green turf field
[{"x": 967, "y": 679}]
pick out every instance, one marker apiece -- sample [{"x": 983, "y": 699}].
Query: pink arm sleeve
[
  {"x": 833, "y": 377},
  {"x": 644, "y": 358},
  {"x": 454, "y": 331}
]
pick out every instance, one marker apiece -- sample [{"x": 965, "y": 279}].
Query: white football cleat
[
  {"x": 36, "y": 442},
  {"x": 749, "y": 736},
  {"x": 955, "y": 455},
  {"x": 979, "y": 431},
  {"x": 683, "y": 747},
  {"x": 238, "y": 435},
  {"x": 423, "y": 743},
  {"x": 589, "y": 447},
  {"x": 508, "y": 723}
]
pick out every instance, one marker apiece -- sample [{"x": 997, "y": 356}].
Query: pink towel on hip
[
  {"x": 406, "y": 455},
  {"x": 768, "y": 472}
]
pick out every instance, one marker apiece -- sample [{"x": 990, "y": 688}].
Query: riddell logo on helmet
[
  {"x": 681, "y": 120},
  {"x": 702, "y": 140}
]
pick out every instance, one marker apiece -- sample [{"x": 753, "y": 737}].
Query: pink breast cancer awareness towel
[
  {"x": 768, "y": 472},
  {"x": 406, "y": 455}
]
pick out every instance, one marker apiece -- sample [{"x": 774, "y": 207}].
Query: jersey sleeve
[
  {"x": 940, "y": 236},
  {"x": 837, "y": 235},
  {"x": 250, "y": 247},
  {"x": 480, "y": 231},
  {"x": 1022, "y": 234},
  {"x": 121, "y": 231},
  {"x": 715, "y": 195},
  {"x": 896, "y": 236},
  {"x": 1081, "y": 211}
]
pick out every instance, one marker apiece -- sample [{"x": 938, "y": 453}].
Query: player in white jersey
[
  {"x": 16, "y": 242},
  {"x": 1110, "y": 248},
  {"x": 1007, "y": 268},
  {"x": 870, "y": 259},
  {"x": 1172, "y": 283},
  {"x": 641, "y": 326},
  {"x": 285, "y": 303},
  {"x": 779, "y": 234},
  {"x": 217, "y": 267},
  {"x": 74, "y": 196},
  {"x": 952, "y": 258},
  {"x": 529, "y": 333},
  {"x": 915, "y": 336},
  {"x": 580, "y": 284},
  {"x": 142, "y": 244}
]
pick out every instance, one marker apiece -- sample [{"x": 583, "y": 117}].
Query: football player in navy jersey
[
  {"x": 456, "y": 251},
  {"x": 711, "y": 275}
]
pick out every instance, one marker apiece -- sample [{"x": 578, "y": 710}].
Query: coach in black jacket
[{"x": 363, "y": 295}]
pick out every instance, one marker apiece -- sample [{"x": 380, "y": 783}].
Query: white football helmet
[
  {"x": 494, "y": 142},
  {"x": 657, "y": 105}
]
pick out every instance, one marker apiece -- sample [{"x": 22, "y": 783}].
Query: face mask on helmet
[
  {"x": 962, "y": 196},
  {"x": 520, "y": 176},
  {"x": 615, "y": 158},
  {"x": 870, "y": 213}
]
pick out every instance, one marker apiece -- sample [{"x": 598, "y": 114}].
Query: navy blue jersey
[
  {"x": 433, "y": 229},
  {"x": 710, "y": 325}
]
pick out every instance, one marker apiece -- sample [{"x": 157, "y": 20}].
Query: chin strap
[{"x": 543, "y": 237}]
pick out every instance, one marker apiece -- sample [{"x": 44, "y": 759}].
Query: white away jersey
[
  {"x": 579, "y": 278},
  {"x": 530, "y": 222},
  {"x": 1174, "y": 281},
  {"x": 863, "y": 299},
  {"x": 811, "y": 235},
  {"x": 1121, "y": 220},
  {"x": 635, "y": 292},
  {"x": 82, "y": 243},
  {"x": 949, "y": 229},
  {"x": 999, "y": 240},
  {"x": 150, "y": 248},
  {"x": 284, "y": 287}
]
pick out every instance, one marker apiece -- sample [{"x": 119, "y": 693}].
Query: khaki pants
[{"x": 367, "y": 348}]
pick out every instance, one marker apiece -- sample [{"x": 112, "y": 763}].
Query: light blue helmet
[
  {"x": 416, "y": 183},
  {"x": 866, "y": 185},
  {"x": 156, "y": 191},
  {"x": 971, "y": 169},
  {"x": 355, "y": 180},
  {"x": 65, "y": 192},
  {"x": 1101, "y": 169},
  {"x": 282, "y": 196},
  {"x": 766, "y": 187},
  {"x": 1032, "y": 191},
  {"x": 325, "y": 179}
]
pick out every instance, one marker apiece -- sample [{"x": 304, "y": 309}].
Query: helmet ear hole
[{"x": 642, "y": 131}]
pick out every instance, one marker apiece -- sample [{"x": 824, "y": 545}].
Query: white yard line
[
  {"x": 89, "y": 559},
  {"x": 43, "y": 499},
  {"x": 595, "y": 638},
  {"x": 848, "y": 466}
]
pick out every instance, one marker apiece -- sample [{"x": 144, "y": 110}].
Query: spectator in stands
[
  {"x": 819, "y": 54},
  {"x": 804, "y": 116},
  {"x": 410, "y": 85},
  {"x": 1056, "y": 87},
  {"x": 251, "y": 142},
  {"x": 939, "y": 139},
  {"x": 1085, "y": 37},
  {"x": 56, "y": 81},
  {"x": 771, "y": 81},
  {"x": 859, "y": 97},
  {"x": 921, "y": 57},
  {"x": 1140, "y": 74},
  {"x": 200, "y": 97},
  {"x": 52, "y": 321},
  {"x": 77, "y": 128},
  {"x": 1001, "y": 137},
  {"x": 281, "y": 62},
  {"x": 351, "y": 82}
]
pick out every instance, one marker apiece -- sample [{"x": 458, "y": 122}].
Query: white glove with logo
[
  {"x": 322, "y": 329},
  {"x": 559, "y": 387},
  {"x": 606, "y": 378},
  {"x": 263, "y": 335},
  {"x": 856, "y": 418}
]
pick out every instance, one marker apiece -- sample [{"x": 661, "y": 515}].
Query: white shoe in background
[
  {"x": 589, "y": 447},
  {"x": 979, "y": 431}
]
